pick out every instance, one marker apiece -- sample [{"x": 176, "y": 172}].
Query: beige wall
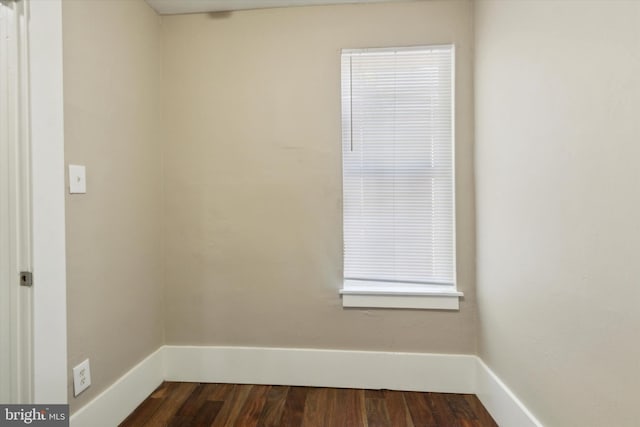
[
  {"x": 558, "y": 143},
  {"x": 251, "y": 219},
  {"x": 253, "y": 224},
  {"x": 252, "y": 180},
  {"x": 111, "y": 88}
]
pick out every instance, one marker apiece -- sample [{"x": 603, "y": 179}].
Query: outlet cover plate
[{"x": 81, "y": 377}]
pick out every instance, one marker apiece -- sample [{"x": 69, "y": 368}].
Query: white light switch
[{"x": 77, "y": 179}]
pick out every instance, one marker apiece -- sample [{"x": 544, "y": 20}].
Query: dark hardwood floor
[{"x": 178, "y": 404}]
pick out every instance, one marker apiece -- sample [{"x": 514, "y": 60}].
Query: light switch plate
[{"x": 77, "y": 179}]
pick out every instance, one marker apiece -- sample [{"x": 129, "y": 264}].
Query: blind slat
[{"x": 398, "y": 172}]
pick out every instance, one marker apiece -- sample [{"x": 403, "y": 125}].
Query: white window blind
[{"x": 398, "y": 165}]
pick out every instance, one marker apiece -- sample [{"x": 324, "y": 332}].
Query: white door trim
[
  {"x": 15, "y": 217},
  {"x": 7, "y": 240},
  {"x": 48, "y": 217}
]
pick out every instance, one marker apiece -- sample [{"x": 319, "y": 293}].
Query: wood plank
[
  {"x": 397, "y": 409},
  {"x": 178, "y": 421},
  {"x": 338, "y": 404},
  {"x": 143, "y": 412},
  {"x": 176, "y": 395},
  {"x": 273, "y": 407},
  {"x": 220, "y": 392},
  {"x": 374, "y": 394},
  {"x": 459, "y": 406},
  {"x": 293, "y": 411},
  {"x": 252, "y": 408},
  {"x": 193, "y": 402},
  {"x": 419, "y": 409},
  {"x": 161, "y": 391},
  {"x": 315, "y": 408},
  {"x": 232, "y": 406},
  {"x": 441, "y": 411},
  {"x": 207, "y": 413},
  {"x": 227, "y": 404},
  {"x": 377, "y": 415},
  {"x": 331, "y": 407},
  {"x": 355, "y": 411},
  {"x": 484, "y": 418}
]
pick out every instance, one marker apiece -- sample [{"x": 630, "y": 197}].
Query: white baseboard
[
  {"x": 444, "y": 373},
  {"x": 322, "y": 368},
  {"x": 113, "y": 405},
  {"x": 504, "y": 406}
]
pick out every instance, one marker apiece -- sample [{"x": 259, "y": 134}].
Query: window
[{"x": 398, "y": 178}]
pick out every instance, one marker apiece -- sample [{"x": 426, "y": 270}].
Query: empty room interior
[{"x": 292, "y": 202}]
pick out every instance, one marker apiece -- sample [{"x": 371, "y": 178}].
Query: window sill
[{"x": 363, "y": 294}]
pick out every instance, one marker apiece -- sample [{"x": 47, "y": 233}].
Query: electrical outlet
[{"x": 81, "y": 377}]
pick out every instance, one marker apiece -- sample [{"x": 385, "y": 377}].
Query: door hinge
[{"x": 26, "y": 278}]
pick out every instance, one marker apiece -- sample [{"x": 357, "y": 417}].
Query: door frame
[
  {"x": 34, "y": 198},
  {"x": 46, "y": 130},
  {"x": 15, "y": 216}
]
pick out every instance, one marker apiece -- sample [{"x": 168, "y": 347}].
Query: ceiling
[{"x": 171, "y": 7}]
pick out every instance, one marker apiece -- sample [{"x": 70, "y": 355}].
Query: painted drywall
[
  {"x": 252, "y": 178},
  {"x": 557, "y": 149},
  {"x": 114, "y": 261}
]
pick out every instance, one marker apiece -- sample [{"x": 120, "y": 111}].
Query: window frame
[{"x": 380, "y": 294}]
